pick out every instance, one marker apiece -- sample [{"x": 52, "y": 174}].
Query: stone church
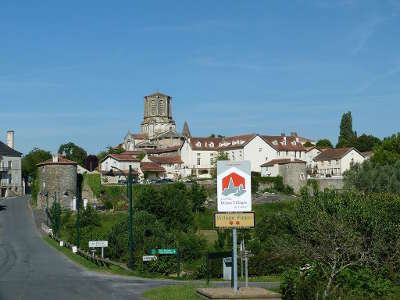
[{"x": 158, "y": 129}]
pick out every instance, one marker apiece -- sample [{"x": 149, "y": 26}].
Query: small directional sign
[
  {"x": 149, "y": 257},
  {"x": 163, "y": 251}
]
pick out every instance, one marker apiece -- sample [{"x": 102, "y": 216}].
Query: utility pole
[{"x": 130, "y": 218}]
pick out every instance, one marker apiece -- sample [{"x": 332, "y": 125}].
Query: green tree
[
  {"x": 73, "y": 152},
  {"x": 308, "y": 144},
  {"x": 387, "y": 152},
  {"x": 198, "y": 196},
  {"x": 366, "y": 143},
  {"x": 324, "y": 143},
  {"x": 347, "y": 137},
  {"x": 221, "y": 156},
  {"x": 30, "y": 161},
  {"x": 170, "y": 204}
]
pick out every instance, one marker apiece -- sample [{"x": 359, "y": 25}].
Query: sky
[{"x": 78, "y": 70}]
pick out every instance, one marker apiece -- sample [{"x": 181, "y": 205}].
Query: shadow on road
[{"x": 3, "y": 207}]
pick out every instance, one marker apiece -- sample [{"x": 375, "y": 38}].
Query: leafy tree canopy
[
  {"x": 366, "y": 142},
  {"x": 308, "y": 144},
  {"x": 73, "y": 152},
  {"x": 30, "y": 161},
  {"x": 324, "y": 143},
  {"x": 387, "y": 152}
]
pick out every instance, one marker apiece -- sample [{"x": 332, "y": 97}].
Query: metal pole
[
  {"x": 241, "y": 259},
  {"x": 47, "y": 209},
  {"x": 130, "y": 219},
  {"x": 208, "y": 268},
  {"x": 78, "y": 204},
  {"x": 246, "y": 261},
  {"x": 102, "y": 252},
  {"x": 179, "y": 262},
  {"x": 234, "y": 262}
]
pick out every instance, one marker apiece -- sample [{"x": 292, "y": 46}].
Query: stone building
[
  {"x": 158, "y": 128},
  {"x": 292, "y": 170},
  {"x": 11, "y": 183},
  {"x": 57, "y": 177}
]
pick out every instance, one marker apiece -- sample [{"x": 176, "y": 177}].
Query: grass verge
[
  {"x": 176, "y": 292},
  {"x": 86, "y": 263}
]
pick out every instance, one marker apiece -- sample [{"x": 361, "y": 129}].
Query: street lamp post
[{"x": 130, "y": 195}]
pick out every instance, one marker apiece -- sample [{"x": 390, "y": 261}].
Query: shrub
[{"x": 94, "y": 182}]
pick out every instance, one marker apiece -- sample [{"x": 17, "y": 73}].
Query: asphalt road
[{"x": 31, "y": 269}]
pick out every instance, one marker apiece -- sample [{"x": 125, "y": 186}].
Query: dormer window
[
  {"x": 198, "y": 144},
  {"x": 294, "y": 143},
  {"x": 241, "y": 142},
  {"x": 212, "y": 145},
  {"x": 233, "y": 143},
  {"x": 275, "y": 142}
]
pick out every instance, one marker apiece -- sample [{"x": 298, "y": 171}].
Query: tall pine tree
[{"x": 347, "y": 137}]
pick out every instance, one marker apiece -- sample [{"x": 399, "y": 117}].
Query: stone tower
[{"x": 157, "y": 115}]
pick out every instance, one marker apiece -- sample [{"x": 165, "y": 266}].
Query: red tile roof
[
  {"x": 283, "y": 143},
  {"x": 129, "y": 156},
  {"x": 61, "y": 161},
  {"x": 151, "y": 167},
  {"x": 332, "y": 154},
  {"x": 282, "y": 161},
  {"x": 225, "y": 143},
  {"x": 166, "y": 159},
  {"x": 162, "y": 150}
]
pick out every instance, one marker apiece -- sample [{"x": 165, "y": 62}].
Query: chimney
[
  {"x": 55, "y": 158},
  {"x": 10, "y": 139}
]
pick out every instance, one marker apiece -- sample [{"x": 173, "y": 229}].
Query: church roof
[
  {"x": 186, "y": 131},
  {"x": 157, "y": 94},
  {"x": 167, "y": 134}
]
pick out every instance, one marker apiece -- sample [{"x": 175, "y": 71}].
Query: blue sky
[{"x": 78, "y": 70}]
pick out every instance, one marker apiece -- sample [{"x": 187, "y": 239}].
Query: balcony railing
[{"x": 4, "y": 169}]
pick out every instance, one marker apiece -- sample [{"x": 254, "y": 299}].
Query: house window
[
  {"x": 198, "y": 161},
  {"x": 259, "y": 149},
  {"x": 212, "y": 145},
  {"x": 211, "y": 161}
]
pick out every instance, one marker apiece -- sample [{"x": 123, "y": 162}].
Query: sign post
[
  {"x": 234, "y": 196},
  {"x": 99, "y": 244}
]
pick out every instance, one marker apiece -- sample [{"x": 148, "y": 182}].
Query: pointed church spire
[{"x": 186, "y": 131}]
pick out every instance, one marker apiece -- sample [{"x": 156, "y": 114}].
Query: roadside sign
[
  {"x": 98, "y": 244},
  {"x": 149, "y": 257},
  {"x": 234, "y": 186},
  {"x": 163, "y": 251},
  {"x": 234, "y": 220}
]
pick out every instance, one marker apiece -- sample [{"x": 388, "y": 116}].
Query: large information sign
[{"x": 234, "y": 186}]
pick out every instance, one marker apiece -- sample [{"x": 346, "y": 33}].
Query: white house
[
  {"x": 198, "y": 155},
  {"x": 10, "y": 169},
  {"x": 112, "y": 165},
  {"x": 171, "y": 164},
  {"x": 250, "y": 147},
  {"x": 285, "y": 147},
  {"x": 311, "y": 153},
  {"x": 334, "y": 162}
]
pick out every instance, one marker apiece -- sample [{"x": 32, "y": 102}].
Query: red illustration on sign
[{"x": 233, "y": 184}]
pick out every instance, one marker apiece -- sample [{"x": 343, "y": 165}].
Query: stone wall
[
  {"x": 330, "y": 183},
  {"x": 60, "y": 180},
  {"x": 294, "y": 175}
]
